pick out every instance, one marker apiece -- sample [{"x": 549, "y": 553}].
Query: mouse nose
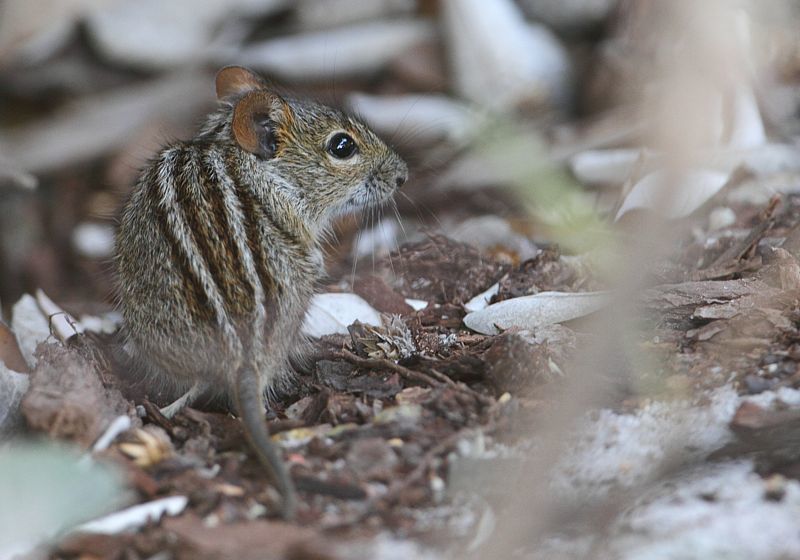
[{"x": 400, "y": 180}]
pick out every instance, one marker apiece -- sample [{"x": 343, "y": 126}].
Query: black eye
[{"x": 341, "y": 145}]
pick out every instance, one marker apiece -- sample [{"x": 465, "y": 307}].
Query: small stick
[
  {"x": 377, "y": 363},
  {"x": 433, "y": 379},
  {"x": 740, "y": 250}
]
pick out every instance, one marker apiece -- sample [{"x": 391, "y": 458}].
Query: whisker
[
  {"x": 359, "y": 233},
  {"x": 372, "y": 229},
  {"x": 419, "y": 213},
  {"x": 388, "y": 242},
  {"x": 393, "y": 203}
]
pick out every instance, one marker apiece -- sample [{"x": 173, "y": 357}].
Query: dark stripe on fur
[
  {"x": 244, "y": 290},
  {"x": 253, "y": 215},
  {"x": 203, "y": 209},
  {"x": 193, "y": 294}
]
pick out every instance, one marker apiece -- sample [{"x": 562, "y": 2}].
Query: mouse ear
[
  {"x": 236, "y": 80},
  {"x": 255, "y": 119}
]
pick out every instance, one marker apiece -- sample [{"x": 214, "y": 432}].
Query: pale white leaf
[
  {"x": 767, "y": 159},
  {"x": 92, "y": 240},
  {"x": 135, "y": 516},
  {"x": 33, "y": 30},
  {"x": 30, "y": 325},
  {"x": 101, "y": 123},
  {"x": 721, "y": 218},
  {"x": 604, "y": 167},
  {"x": 333, "y": 313},
  {"x": 531, "y": 312},
  {"x": 673, "y": 195},
  {"x": 569, "y": 16},
  {"x": 377, "y": 240},
  {"x": 417, "y": 304},
  {"x": 747, "y": 127},
  {"x": 63, "y": 324},
  {"x": 107, "y": 323},
  {"x": 482, "y": 299},
  {"x": 598, "y": 167},
  {"x": 488, "y": 232},
  {"x": 356, "y": 50},
  {"x": 153, "y": 34},
  {"x": 313, "y": 14},
  {"x": 479, "y": 37},
  {"x": 120, "y": 424},
  {"x": 13, "y": 386},
  {"x": 425, "y": 117}
]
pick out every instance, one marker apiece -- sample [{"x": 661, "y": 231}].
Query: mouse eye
[{"x": 341, "y": 145}]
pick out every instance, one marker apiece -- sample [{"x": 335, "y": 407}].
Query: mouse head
[{"x": 336, "y": 163}]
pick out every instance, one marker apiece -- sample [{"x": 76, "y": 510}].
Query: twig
[
  {"x": 726, "y": 262},
  {"x": 157, "y": 418},
  {"x": 382, "y": 363},
  {"x": 433, "y": 379}
]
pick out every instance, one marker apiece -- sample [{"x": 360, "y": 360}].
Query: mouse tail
[{"x": 250, "y": 406}]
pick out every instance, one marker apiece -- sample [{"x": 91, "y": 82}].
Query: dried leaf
[
  {"x": 67, "y": 398},
  {"x": 481, "y": 34},
  {"x": 149, "y": 446},
  {"x": 30, "y": 325},
  {"x": 10, "y": 353},
  {"x": 136, "y": 516},
  {"x": 417, "y": 304},
  {"x": 673, "y": 196},
  {"x": 530, "y": 312},
  {"x": 604, "y": 167},
  {"x": 429, "y": 118},
  {"x": 356, "y": 50},
  {"x": 746, "y": 126},
  {"x": 393, "y": 340},
  {"x": 254, "y": 540},
  {"x": 63, "y": 325},
  {"x": 333, "y": 313},
  {"x": 153, "y": 35},
  {"x": 99, "y": 124},
  {"x": 482, "y": 299},
  {"x": 13, "y": 386},
  {"x": 34, "y": 29}
]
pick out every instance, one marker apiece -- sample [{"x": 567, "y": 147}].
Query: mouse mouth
[{"x": 373, "y": 191}]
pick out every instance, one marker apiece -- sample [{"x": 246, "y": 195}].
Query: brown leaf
[
  {"x": 381, "y": 296},
  {"x": 256, "y": 540},
  {"x": 10, "y": 353},
  {"x": 66, "y": 398}
]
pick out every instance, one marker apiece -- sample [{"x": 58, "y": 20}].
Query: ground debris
[
  {"x": 67, "y": 399},
  {"x": 262, "y": 540},
  {"x": 771, "y": 436},
  {"x": 403, "y": 425},
  {"x": 519, "y": 361},
  {"x": 10, "y": 353},
  {"x": 381, "y": 296},
  {"x": 442, "y": 270},
  {"x": 677, "y": 303},
  {"x": 547, "y": 271}
]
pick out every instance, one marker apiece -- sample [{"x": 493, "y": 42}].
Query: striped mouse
[{"x": 220, "y": 246}]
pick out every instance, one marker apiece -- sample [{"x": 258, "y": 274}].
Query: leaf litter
[{"x": 407, "y": 432}]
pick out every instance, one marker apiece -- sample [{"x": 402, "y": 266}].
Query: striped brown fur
[{"x": 220, "y": 244}]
